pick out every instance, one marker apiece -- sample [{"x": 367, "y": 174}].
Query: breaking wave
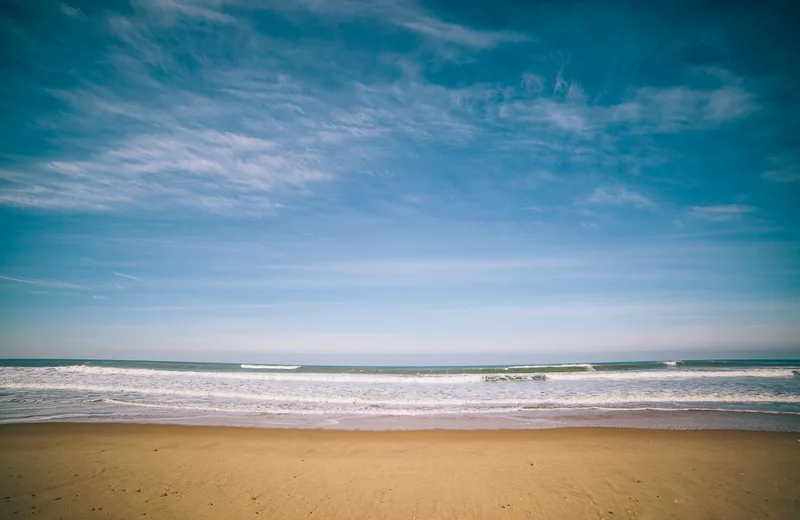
[
  {"x": 426, "y": 378},
  {"x": 270, "y": 367},
  {"x": 154, "y": 391}
]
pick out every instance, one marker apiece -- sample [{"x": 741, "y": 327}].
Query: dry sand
[{"x": 162, "y": 472}]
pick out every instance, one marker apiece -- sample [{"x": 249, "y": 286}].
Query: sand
[{"x": 143, "y": 471}]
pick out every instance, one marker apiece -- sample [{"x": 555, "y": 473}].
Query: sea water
[{"x": 743, "y": 394}]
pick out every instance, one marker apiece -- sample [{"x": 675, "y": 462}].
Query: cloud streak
[
  {"x": 784, "y": 169},
  {"x": 676, "y": 109},
  {"x": 619, "y": 195},
  {"x": 409, "y": 15},
  {"x": 128, "y": 276},
  {"x": 41, "y": 282},
  {"x": 722, "y": 212},
  {"x": 403, "y": 14},
  {"x": 458, "y": 34},
  {"x": 782, "y": 176}
]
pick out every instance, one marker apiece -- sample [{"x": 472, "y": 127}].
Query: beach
[{"x": 77, "y": 471}]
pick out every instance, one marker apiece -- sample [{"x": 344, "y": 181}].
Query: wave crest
[
  {"x": 514, "y": 377},
  {"x": 587, "y": 367},
  {"x": 270, "y": 367}
]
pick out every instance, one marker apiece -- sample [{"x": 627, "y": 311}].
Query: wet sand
[{"x": 80, "y": 471}]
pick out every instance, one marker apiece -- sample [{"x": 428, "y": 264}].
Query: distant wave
[
  {"x": 270, "y": 367},
  {"x": 308, "y": 377},
  {"x": 677, "y": 374},
  {"x": 672, "y": 364},
  {"x": 412, "y": 378},
  {"x": 586, "y": 366}
]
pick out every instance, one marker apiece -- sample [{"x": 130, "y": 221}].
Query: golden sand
[{"x": 73, "y": 471}]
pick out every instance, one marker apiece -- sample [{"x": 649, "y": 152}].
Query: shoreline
[
  {"x": 78, "y": 425},
  {"x": 644, "y": 418},
  {"x": 69, "y": 470}
]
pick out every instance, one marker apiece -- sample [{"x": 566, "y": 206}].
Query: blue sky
[{"x": 399, "y": 181}]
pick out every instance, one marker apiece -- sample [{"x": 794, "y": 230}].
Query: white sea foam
[
  {"x": 683, "y": 409},
  {"x": 671, "y": 364},
  {"x": 270, "y": 367},
  {"x": 329, "y": 377},
  {"x": 329, "y": 411},
  {"x": 501, "y": 378},
  {"x": 675, "y": 397},
  {"x": 424, "y": 412},
  {"x": 447, "y": 379},
  {"x": 103, "y": 392},
  {"x": 676, "y": 374}
]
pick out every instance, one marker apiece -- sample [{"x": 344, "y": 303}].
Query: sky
[{"x": 399, "y": 181}]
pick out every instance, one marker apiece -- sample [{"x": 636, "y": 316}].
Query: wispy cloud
[
  {"x": 210, "y": 170},
  {"x": 98, "y": 297},
  {"x": 619, "y": 195},
  {"x": 722, "y": 213},
  {"x": 207, "y": 10},
  {"x": 674, "y": 109},
  {"x": 459, "y": 34},
  {"x": 642, "y": 110},
  {"x": 407, "y": 14},
  {"x": 41, "y": 282},
  {"x": 783, "y": 169},
  {"x": 128, "y": 276},
  {"x": 219, "y": 172},
  {"x": 784, "y": 175},
  {"x": 72, "y": 12}
]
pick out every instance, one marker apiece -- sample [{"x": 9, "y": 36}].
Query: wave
[
  {"x": 672, "y": 364},
  {"x": 304, "y": 377},
  {"x": 679, "y": 374},
  {"x": 585, "y": 366},
  {"x": 415, "y": 378},
  {"x": 514, "y": 377},
  {"x": 536, "y": 402},
  {"x": 331, "y": 411},
  {"x": 270, "y": 367},
  {"x": 423, "y": 412}
]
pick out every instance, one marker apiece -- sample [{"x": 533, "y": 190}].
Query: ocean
[{"x": 710, "y": 394}]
